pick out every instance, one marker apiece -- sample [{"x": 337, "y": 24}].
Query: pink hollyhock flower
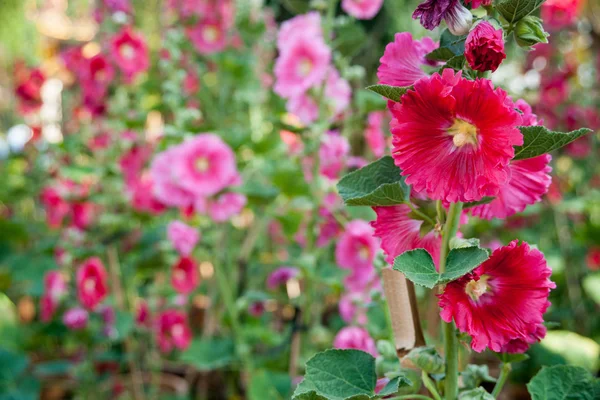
[
  {"x": 354, "y": 337},
  {"x": 476, "y": 3},
  {"x": 204, "y": 165},
  {"x": 96, "y": 76},
  {"x": 333, "y": 154},
  {"x": 357, "y": 247},
  {"x": 256, "y": 309},
  {"x": 29, "y": 90},
  {"x": 142, "y": 197},
  {"x": 130, "y": 53},
  {"x": 402, "y": 60},
  {"x": 56, "y": 208},
  {"x": 554, "y": 91},
  {"x": 559, "y": 14},
  {"x": 304, "y": 107},
  {"x": 501, "y": 301},
  {"x": 280, "y": 276},
  {"x": 226, "y": 206},
  {"x": 183, "y": 237},
  {"x": 301, "y": 65},
  {"x": 133, "y": 161},
  {"x": 91, "y": 283},
  {"x": 118, "y": 5},
  {"x": 529, "y": 181},
  {"x": 308, "y": 25},
  {"x": 55, "y": 288},
  {"x": 208, "y": 36},
  {"x": 83, "y": 214},
  {"x": 374, "y": 133},
  {"x": 522, "y": 344},
  {"x": 173, "y": 331},
  {"x": 362, "y": 9},
  {"x": 165, "y": 185},
  {"x": 76, "y": 318},
  {"x": 528, "y": 118},
  {"x": 399, "y": 233},
  {"x": 185, "y": 275},
  {"x": 592, "y": 258},
  {"x": 360, "y": 279},
  {"x": 453, "y": 138},
  {"x": 457, "y": 17},
  {"x": 484, "y": 47},
  {"x": 353, "y": 307},
  {"x": 142, "y": 316}
]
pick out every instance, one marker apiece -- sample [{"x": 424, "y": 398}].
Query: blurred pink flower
[
  {"x": 208, "y": 36},
  {"x": 173, "y": 331},
  {"x": 55, "y": 288},
  {"x": 280, "y": 276},
  {"x": 307, "y": 25},
  {"x": 185, "y": 275},
  {"x": 164, "y": 182},
  {"x": 374, "y": 135},
  {"x": 75, "y": 318},
  {"x": 592, "y": 258},
  {"x": 183, "y": 237},
  {"x": 357, "y": 247},
  {"x": 130, "y": 53},
  {"x": 354, "y": 337},
  {"x": 559, "y": 14},
  {"x": 226, "y": 206},
  {"x": 362, "y": 9},
  {"x": 333, "y": 154},
  {"x": 91, "y": 282},
  {"x": 403, "y": 59}
]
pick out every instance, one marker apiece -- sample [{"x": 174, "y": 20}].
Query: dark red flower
[{"x": 484, "y": 48}]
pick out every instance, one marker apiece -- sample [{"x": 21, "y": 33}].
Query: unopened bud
[
  {"x": 529, "y": 31},
  {"x": 459, "y": 20}
]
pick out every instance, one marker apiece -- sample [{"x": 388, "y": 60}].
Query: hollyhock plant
[
  {"x": 355, "y": 337},
  {"x": 403, "y": 59},
  {"x": 185, "y": 275},
  {"x": 76, "y": 318},
  {"x": 301, "y": 65},
  {"x": 459, "y": 150},
  {"x": 55, "y": 288},
  {"x": 308, "y": 25},
  {"x": 225, "y": 206},
  {"x": 173, "y": 331},
  {"x": 477, "y": 3},
  {"x": 592, "y": 258},
  {"x": 374, "y": 135},
  {"x": 362, "y": 9},
  {"x": 92, "y": 285},
  {"x": 484, "y": 47},
  {"x": 165, "y": 187},
  {"x": 204, "y": 165},
  {"x": 280, "y": 276},
  {"x": 130, "y": 53},
  {"x": 357, "y": 247},
  {"x": 559, "y": 14},
  {"x": 502, "y": 300},
  {"x": 333, "y": 154},
  {"x": 183, "y": 237},
  {"x": 431, "y": 13},
  {"x": 399, "y": 233},
  {"x": 29, "y": 89},
  {"x": 529, "y": 181}
]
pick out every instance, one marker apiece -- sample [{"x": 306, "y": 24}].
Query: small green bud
[{"x": 529, "y": 31}]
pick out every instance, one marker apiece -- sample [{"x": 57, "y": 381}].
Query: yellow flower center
[
  {"x": 463, "y": 133},
  {"x": 177, "y": 330},
  {"x": 364, "y": 253},
  {"x": 210, "y": 34},
  {"x": 476, "y": 288},
  {"x": 202, "y": 164},
  {"x": 179, "y": 275},
  {"x": 127, "y": 51},
  {"x": 89, "y": 285},
  {"x": 304, "y": 67}
]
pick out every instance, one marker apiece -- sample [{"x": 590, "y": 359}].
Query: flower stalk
[{"x": 504, "y": 372}]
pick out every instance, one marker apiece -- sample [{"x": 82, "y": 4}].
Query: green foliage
[
  {"x": 390, "y": 92},
  {"x": 514, "y": 10},
  {"x": 419, "y": 268},
  {"x": 15, "y": 382},
  {"x": 538, "y": 140},
  {"x": 564, "y": 382},
  {"x": 475, "y": 394},
  {"x": 474, "y": 375},
  {"x": 427, "y": 358},
  {"x": 377, "y": 184},
  {"x": 209, "y": 353}
]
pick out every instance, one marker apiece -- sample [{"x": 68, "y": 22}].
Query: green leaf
[
  {"x": 418, "y": 267},
  {"x": 440, "y": 54},
  {"x": 591, "y": 286},
  {"x": 514, "y": 10},
  {"x": 394, "y": 385},
  {"x": 208, "y": 354},
  {"x": 563, "y": 382},
  {"x": 123, "y": 325},
  {"x": 538, "y": 140},
  {"x": 377, "y": 184},
  {"x": 460, "y": 243},
  {"x": 475, "y": 394},
  {"x": 55, "y": 367},
  {"x": 473, "y": 375},
  {"x": 512, "y": 357},
  {"x": 485, "y": 200},
  {"x": 427, "y": 358},
  {"x": 390, "y": 92},
  {"x": 456, "y": 44},
  {"x": 462, "y": 261},
  {"x": 338, "y": 375},
  {"x": 269, "y": 385},
  {"x": 456, "y": 63}
]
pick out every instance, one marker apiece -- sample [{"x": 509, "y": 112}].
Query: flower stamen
[
  {"x": 477, "y": 287},
  {"x": 463, "y": 133}
]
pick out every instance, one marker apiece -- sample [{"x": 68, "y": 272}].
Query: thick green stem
[
  {"x": 450, "y": 341},
  {"x": 506, "y": 368},
  {"x": 430, "y": 385}
]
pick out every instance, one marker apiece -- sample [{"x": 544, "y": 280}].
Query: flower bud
[
  {"x": 529, "y": 31},
  {"x": 459, "y": 20},
  {"x": 484, "y": 47}
]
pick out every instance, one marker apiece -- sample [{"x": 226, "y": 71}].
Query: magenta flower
[
  {"x": 185, "y": 276},
  {"x": 92, "y": 285},
  {"x": 333, "y": 154},
  {"x": 55, "y": 288},
  {"x": 173, "y": 331},
  {"x": 280, "y": 276},
  {"x": 308, "y": 25},
  {"x": 399, "y": 233},
  {"x": 354, "y": 337},
  {"x": 374, "y": 135},
  {"x": 484, "y": 47},
  {"x": 403, "y": 59},
  {"x": 357, "y": 247},
  {"x": 431, "y": 13},
  {"x": 301, "y": 65},
  {"x": 208, "y": 36},
  {"x": 559, "y": 14},
  {"x": 130, "y": 53},
  {"x": 76, "y": 318},
  {"x": 453, "y": 138},
  {"x": 362, "y": 9},
  {"x": 165, "y": 185},
  {"x": 225, "y": 206},
  {"x": 502, "y": 302},
  {"x": 183, "y": 237}
]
